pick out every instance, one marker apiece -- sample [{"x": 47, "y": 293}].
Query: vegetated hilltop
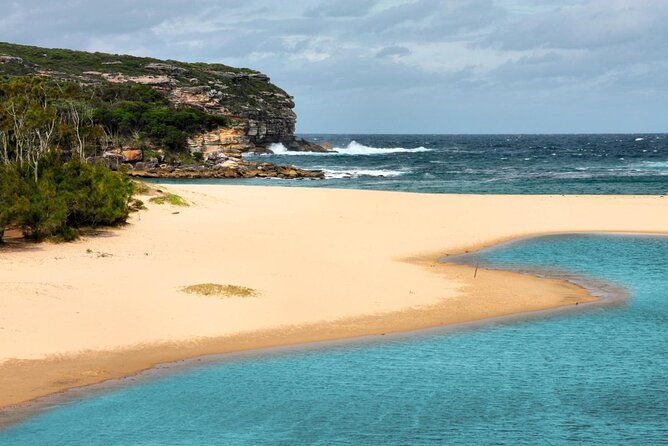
[
  {"x": 73, "y": 123},
  {"x": 154, "y": 109}
]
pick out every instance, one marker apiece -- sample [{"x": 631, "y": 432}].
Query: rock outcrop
[
  {"x": 229, "y": 169},
  {"x": 215, "y": 164},
  {"x": 10, "y": 59},
  {"x": 259, "y": 113}
]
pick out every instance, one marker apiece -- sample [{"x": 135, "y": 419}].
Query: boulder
[
  {"x": 261, "y": 151},
  {"x": 215, "y": 157},
  {"x": 233, "y": 153},
  {"x": 111, "y": 160},
  {"x": 10, "y": 59},
  {"x": 230, "y": 164},
  {"x": 132, "y": 155},
  {"x": 151, "y": 163},
  {"x": 302, "y": 145}
]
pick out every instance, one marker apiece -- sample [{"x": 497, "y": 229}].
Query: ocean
[
  {"x": 486, "y": 164},
  {"x": 595, "y": 377}
]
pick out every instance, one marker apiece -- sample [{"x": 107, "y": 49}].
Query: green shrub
[
  {"x": 14, "y": 203},
  {"x": 47, "y": 213},
  {"x": 66, "y": 197}
]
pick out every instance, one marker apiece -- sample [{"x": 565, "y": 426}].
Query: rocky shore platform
[{"x": 237, "y": 169}]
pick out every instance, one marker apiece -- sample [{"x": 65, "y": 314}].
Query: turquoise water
[{"x": 599, "y": 377}]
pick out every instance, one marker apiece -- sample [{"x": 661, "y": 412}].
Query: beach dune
[{"x": 326, "y": 264}]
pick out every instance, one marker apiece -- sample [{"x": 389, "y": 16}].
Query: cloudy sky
[{"x": 400, "y": 66}]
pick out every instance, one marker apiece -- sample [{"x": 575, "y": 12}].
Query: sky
[{"x": 400, "y": 66}]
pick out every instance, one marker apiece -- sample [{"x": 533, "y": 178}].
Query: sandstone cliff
[{"x": 258, "y": 112}]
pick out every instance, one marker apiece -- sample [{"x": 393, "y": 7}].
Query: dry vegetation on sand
[{"x": 214, "y": 289}]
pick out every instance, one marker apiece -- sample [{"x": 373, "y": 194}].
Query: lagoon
[{"x": 597, "y": 377}]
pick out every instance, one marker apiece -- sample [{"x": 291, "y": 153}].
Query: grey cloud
[
  {"x": 590, "y": 25},
  {"x": 438, "y": 53},
  {"x": 434, "y": 20},
  {"x": 341, "y": 8},
  {"x": 394, "y": 50}
]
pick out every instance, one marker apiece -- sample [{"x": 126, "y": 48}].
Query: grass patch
[
  {"x": 136, "y": 205},
  {"x": 142, "y": 188},
  {"x": 171, "y": 199},
  {"x": 214, "y": 289}
]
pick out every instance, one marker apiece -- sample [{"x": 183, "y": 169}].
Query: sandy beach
[{"x": 327, "y": 264}]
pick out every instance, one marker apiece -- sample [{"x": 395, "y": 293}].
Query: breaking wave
[
  {"x": 361, "y": 173},
  {"x": 280, "y": 149},
  {"x": 354, "y": 148}
]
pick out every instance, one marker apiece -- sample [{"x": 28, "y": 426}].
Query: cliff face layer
[{"x": 258, "y": 112}]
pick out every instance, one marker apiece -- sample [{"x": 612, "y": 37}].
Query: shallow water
[
  {"x": 597, "y": 377},
  {"x": 516, "y": 164}
]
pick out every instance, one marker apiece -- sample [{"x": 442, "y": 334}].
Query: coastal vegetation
[
  {"x": 55, "y": 140},
  {"x": 214, "y": 289},
  {"x": 62, "y": 198},
  {"x": 243, "y": 90},
  {"x": 74, "y": 124},
  {"x": 169, "y": 198},
  {"x": 143, "y": 117},
  {"x": 25, "y": 59},
  {"x": 47, "y": 187}
]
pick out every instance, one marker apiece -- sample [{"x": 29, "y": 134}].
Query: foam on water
[
  {"x": 656, "y": 165},
  {"x": 280, "y": 149},
  {"x": 353, "y": 148},
  {"x": 360, "y": 173}
]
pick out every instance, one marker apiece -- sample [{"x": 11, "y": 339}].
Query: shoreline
[
  {"x": 595, "y": 294},
  {"x": 409, "y": 293}
]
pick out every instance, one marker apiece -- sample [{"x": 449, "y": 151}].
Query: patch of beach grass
[
  {"x": 171, "y": 199},
  {"x": 142, "y": 188},
  {"x": 214, "y": 289},
  {"x": 136, "y": 205}
]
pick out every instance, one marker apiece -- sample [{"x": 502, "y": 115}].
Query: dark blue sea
[
  {"x": 597, "y": 377},
  {"x": 488, "y": 164}
]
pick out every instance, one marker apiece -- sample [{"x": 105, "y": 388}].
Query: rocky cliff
[{"x": 258, "y": 112}]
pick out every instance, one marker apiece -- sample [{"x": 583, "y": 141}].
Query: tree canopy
[{"x": 46, "y": 186}]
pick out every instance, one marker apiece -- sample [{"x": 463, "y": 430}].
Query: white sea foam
[
  {"x": 360, "y": 173},
  {"x": 581, "y": 175},
  {"x": 655, "y": 164},
  {"x": 354, "y": 148},
  {"x": 280, "y": 149}
]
